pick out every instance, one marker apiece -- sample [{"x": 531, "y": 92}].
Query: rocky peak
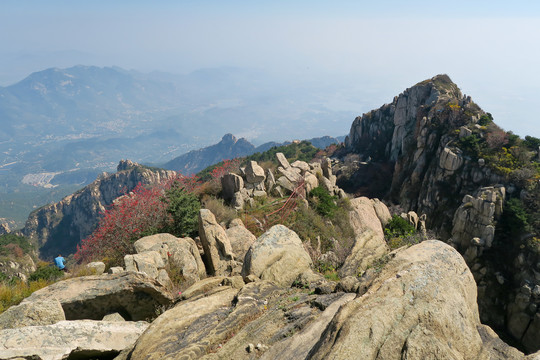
[
  {"x": 229, "y": 139},
  {"x": 126, "y": 165}
]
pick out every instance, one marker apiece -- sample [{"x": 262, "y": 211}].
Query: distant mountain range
[
  {"x": 229, "y": 148},
  {"x": 60, "y": 128}
]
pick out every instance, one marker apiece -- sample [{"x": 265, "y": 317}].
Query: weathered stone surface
[
  {"x": 363, "y": 217},
  {"x": 202, "y": 287},
  {"x": 382, "y": 211},
  {"x": 113, "y": 317},
  {"x": 254, "y": 173},
  {"x": 134, "y": 295},
  {"x": 302, "y": 165},
  {"x": 292, "y": 174},
  {"x": 154, "y": 242},
  {"x": 43, "y": 312},
  {"x": 116, "y": 270},
  {"x": 531, "y": 338},
  {"x": 97, "y": 266},
  {"x": 168, "y": 336},
  {"x": 311, "y": 182},
  {"x": 181, "y": 253},
  {"x": 326, "y": 166},
  {"x": 277, "y": 255},
  {"x": 231, "y": 183},
  {"x": 74, "y": 339},
  {"x": 422, "y": 306},
  {"x": 270, "y": 180},
  {"x": 298, "y": 346},
  {"x": 285, "y": 183},
  {"x": 240, "y": 239},
  {"x": 449, "y": 160},
  {"x": 282, "y": 160},
  {"x": 368, "y": 247},
  {"x": 218, "y": 252},
  {"x": 147, "y": 262}
]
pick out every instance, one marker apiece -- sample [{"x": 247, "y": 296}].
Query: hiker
[{"x": 59, "y": 262}]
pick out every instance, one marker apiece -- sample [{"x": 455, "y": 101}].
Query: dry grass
[
  {"x": 222, "y": 212},
  {"x": 13, "y": 292}
]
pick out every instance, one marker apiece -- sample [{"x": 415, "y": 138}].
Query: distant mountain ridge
[{"x": 229, "y": 148}]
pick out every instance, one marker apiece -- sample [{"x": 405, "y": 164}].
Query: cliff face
[
  {"x": 415, "y": 134},
  {"x": 418, "y": 137},
  {"x": 58, "y": 228}
]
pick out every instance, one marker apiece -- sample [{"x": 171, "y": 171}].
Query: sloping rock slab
[
  {"x": 181, "y": 326},
  {"x": 422, "y": 306},
  {"x": 73, "y": 339},
  {"x": 134, "y": 295}
]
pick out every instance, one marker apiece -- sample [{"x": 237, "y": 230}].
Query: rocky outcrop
[
  {"x": 59, "y": 227},
  {"x": 218, "y": 255},
  {"x": 474, "y": 222},
  {"x": 81, "y": 339},
  {"x": 134, "y": 295},
  {"x": 369, "y": 243},
  {"x": 157, "y": 252},
  {"x": 299, "y": 177},
  {"x": 278, "y": 256},
  {"x": 413, "y": 133},
  {"x": 240, "y": 238},
  {"x": 422, "y": 306},
  {"x": 43, "y": 312},
  {"x": 420, "y": 137},
  {"x": 18, "y": 268}
]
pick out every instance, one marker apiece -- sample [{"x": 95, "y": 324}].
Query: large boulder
[
  {"x": 230, "y": 184},
  {"x": 148, "y": 262},
  {"x": 240, "y": 238},
  {"x": 168, "y": 336},
  {"x": 218, "y": 254},
  {"x": 422, "y": 306},
  {"x": 158, "y": 251},
  {"x": 83, "y": 339},
  {"x": 134, "y": 295},
  {"x": 364, "y": 216},
  {"x": 282, "y": 160},
  {"x": 278, "y": 255},
  {"x": 254, "y": 173},
  {"x": 180, "y": 253},
  {"x": 43, "y": 312},
  {"x": 369, "y": 244}
]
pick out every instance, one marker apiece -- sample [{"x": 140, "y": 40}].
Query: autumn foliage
[{"x": 171, "y": 206}]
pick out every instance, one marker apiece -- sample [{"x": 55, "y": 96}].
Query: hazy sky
[{"x": 491, "y": 49}]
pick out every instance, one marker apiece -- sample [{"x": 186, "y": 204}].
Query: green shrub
[
  {"x": 398, "y": 227},
  {"x": 47, "y": 272},
  {"x": 323, "y": 202},
  {"x": 184, "y": 209},
  {"x": 485, "y": 119}
]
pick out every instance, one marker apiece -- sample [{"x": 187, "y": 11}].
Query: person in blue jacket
[{"x": 59, "y": 262}]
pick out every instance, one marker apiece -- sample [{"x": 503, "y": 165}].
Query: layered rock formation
[
  {"x": 418, "y": 135},
  {"x": 61, "y": 226}
]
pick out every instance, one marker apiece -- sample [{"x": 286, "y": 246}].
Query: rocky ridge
[
  {"x": 75, "y": 217},
  {"x": 417, "y": 136}
]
